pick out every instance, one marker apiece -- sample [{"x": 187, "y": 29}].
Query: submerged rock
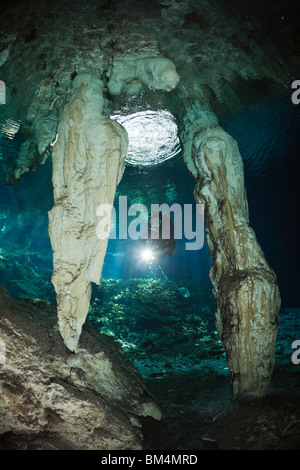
[
  {"x": 184, "y": 292},
  {"x": 54, "y": 399},
  {"x": 244, "y": 285},
  {"x": 4, "y": 56},
  {"x": 130, "y": 75}
]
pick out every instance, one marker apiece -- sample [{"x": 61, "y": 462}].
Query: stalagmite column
[
  {"x": 88, "y": 162},
  {"x": 244, "y": 286}
]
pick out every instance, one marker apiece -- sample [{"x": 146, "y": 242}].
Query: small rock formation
[
  {"x": 5, "y": 48},
  {"x": 4, "y": 56},
  {"x": 51, "y": 398},
  {"x": 244, "y": 286},
  {"x": 2, "y": 92},
  {"x": 130, "y": 75},
  {"x": 40, "y": 129},
  {"x": 88, "y": 163}
]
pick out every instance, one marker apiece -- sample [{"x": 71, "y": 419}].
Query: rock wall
[
  {"x": 51, "y": 398},
  {"x": 244, "y": 286},
  {"x": 88, "y": 163}
]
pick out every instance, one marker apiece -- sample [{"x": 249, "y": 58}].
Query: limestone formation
[
  {"x": 40, "y": 129},
  {"x": 131, "y": 74},
  {"x": 244, "y": 286},
  {"x": 5, "y": 48},
  {"x": 4, "y": 56},
  {"x": 88, "y": 163},
  {"x": 51, "y": 398}
]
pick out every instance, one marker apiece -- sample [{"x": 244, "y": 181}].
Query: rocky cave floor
[
  {"x": 189, "y": 377},
  {"x": 199, "y": 414},
  {"x": 195, "y": 397}
]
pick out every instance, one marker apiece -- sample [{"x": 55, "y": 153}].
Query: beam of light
[
  {"x": 147, "y": 255},
  {"x": 153, "y": 137}
]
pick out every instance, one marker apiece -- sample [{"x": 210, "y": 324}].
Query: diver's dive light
[{"x": 148, "y": 255}]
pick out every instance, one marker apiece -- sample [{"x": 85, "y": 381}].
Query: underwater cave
[{"x": 149, "y": 225}]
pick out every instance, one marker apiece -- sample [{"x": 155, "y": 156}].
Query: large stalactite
[
  {"x": 244, "y": 286},
  {"x": 88, "y": 162}
]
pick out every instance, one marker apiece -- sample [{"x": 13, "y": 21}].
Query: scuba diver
[
  {"x": 158, "y": 240},
  {"x": 158, "y": 237}
]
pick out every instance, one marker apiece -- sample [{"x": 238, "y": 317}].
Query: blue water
[
  {"x": 123, "y": 258},
  {"x": 268, "y": 138},
  {"x": 267, "y": 134}
]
